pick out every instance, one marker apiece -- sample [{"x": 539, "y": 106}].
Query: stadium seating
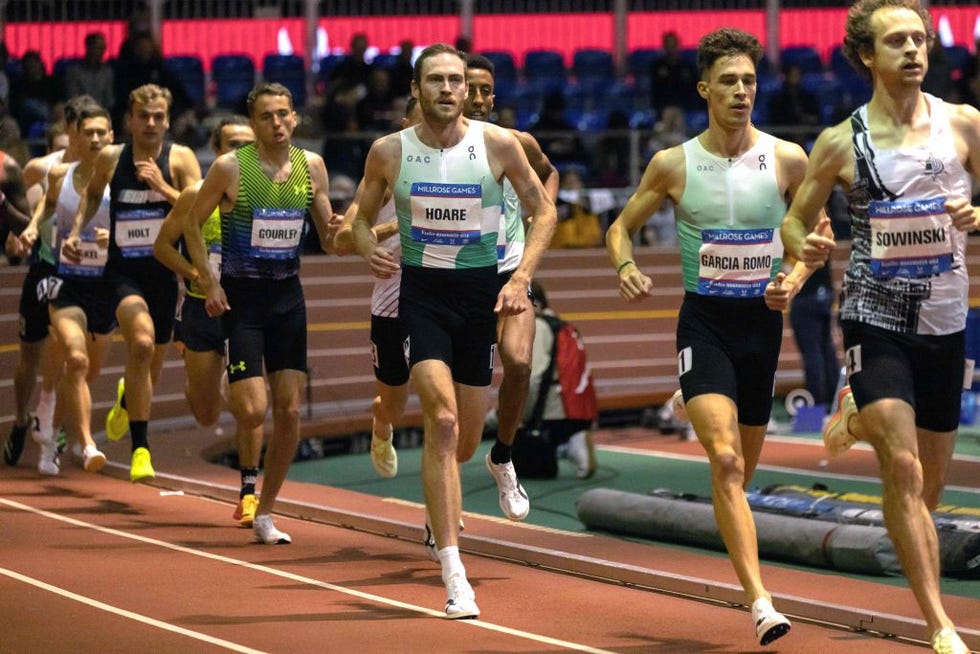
[
  {"x": 504, "y": 67},
  {"x": 589, "y": 63},
  {"x": 233, "y": 76},
  {"x": 189, "y": 69},
  {"x": 806, "y": 57},
  {"x": 543, "y": 64},
  {"x": 290, "y": 71}
]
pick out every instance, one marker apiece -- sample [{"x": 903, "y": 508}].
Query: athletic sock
[
  {"x": 137, "y": 432},
  {"x": 451, "y": 563},
  {"x": 249, "y": 478},
  {"x": 500, "y": 453},
  {"x": 45, "y": 414}
]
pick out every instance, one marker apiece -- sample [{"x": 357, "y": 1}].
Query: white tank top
[
  {"x": 384, "y": 298},
  {"x": 93, "y": 257},
  {"x": 907, "y": 271}
]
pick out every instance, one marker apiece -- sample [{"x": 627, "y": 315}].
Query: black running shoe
[{"x": 14, "y": 446}]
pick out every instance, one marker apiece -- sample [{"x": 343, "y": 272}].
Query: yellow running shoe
[
  {"x": 117, "y": 421},
  {"x": 245, "y": 513},
  {"x": 946, "y": 641},
  {"x": 141, "y": 469},
  {"x": 837, "y": 436}
]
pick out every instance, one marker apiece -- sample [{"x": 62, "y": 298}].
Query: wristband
[{"x": 623, "y": 265}]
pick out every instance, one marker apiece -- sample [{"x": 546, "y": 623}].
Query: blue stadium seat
[
  {"x": 547, "y": 84},
  {"x": 189, "y": 69},
  {"x": 324, "y": 68},
  {"x": 385, "y": 60},
  {"x": 839, "y": 65},
  {"x": 621, "y": 96},
  {"x": 290, "y": 71},
  {"x": 806, "y": 57},
  {"x": 640, "y": 61},
  {"x": 544, "y": 63},
  {"x": 503, "y": 64},
  {"x": 576, "y": 97},
  {"x": 958, "y": 56},
  {"x": 589, "y": 62},
  {"x": 234, "y": 77}
]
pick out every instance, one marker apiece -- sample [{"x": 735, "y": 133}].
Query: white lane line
[
  {"x": 794, "y": 471},
  {"x": 578, "y": 647},
  {"x": 235, "y": 647}
]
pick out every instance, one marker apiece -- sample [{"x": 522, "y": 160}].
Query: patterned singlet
[
  {"x": 907, "y": 271},
  {"x": 262, "y": 235}
]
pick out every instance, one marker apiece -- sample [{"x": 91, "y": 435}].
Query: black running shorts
[
  {"x": 731, "y": 347},
  {"x": 925, "y": 371}
]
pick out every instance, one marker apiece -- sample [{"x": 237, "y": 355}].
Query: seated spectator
[
  {"x": 93, "y": 75},
  {"x": 147, "y": 67},
  {"x": 402, "y": 71},
  {"x": 557, "y": 137},
  {"x": 374, "y": 110},
  {"x": 578, "y": 226},
  {"x": 560, "y": 411},
  {"x": 794, "y": 106},
  {"x": 673, "y": 80},
  {"x": 4, "y": 80},
  {"x": 33, "y": 92},
  {"x": 352, "y": 72}
]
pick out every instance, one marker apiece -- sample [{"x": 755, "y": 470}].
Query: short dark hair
[
  {"x": 230, "y": 119},
  {"x": 726, "y": 42},
  {"x": 432, "y": 51},
  {"x": 480, "y": 63},
  {"x": 858, "y": 34},
  {"x": 74, "y": 106},
  {"x": 267, "y": 88},
  {"x": 94, "y": 111}
]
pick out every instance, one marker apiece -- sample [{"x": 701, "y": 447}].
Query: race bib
[
  {"x": 136, "y": 230},
  {"x": 446, "y": 214},
  {"x": 276, "y": 233},
  {"x": 92, "y": 263},
  {"x": 910, "y": 239},
  {"x": 736, "y": 263}
]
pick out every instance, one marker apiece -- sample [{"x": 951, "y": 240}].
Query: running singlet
[
  {"x": 384, "y": 298},
  {"x": 94, "y": 257},
  {"x": 907, "y": 271},
  {"x": 448, "y": 203},
  {"x": 510, "y": 238},
  {"x": 211, "y": 231},
  {"x": 137, "y": 211},
  {"x": 262, "y": 235},
  {"x": 728, "y": 220}
]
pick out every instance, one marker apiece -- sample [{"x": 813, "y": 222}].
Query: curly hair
[
  {"x": 859, "y": 35},
  {"x": 726, "y": 42}
]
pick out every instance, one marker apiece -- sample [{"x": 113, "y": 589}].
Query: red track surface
[{"x": 152, "y": 572}]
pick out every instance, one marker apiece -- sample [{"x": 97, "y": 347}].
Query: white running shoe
[
  {"x": 769, "y": 624},
  {"x": 384, "y": 458},
  {"x": 48, "y": 462},
  {"x": 460, "y": 598},
  {"x": 92, "y": 459},
  {"x": 513, "y": 498},
  {"x": 266, "y": 532}
]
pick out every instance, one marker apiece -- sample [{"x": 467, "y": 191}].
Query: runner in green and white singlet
[
  {"x": 729, "y": 185},
  {"x": 450, "y": 295}
]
